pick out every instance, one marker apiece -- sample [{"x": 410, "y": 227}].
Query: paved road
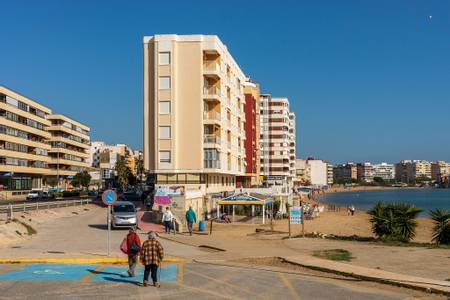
[{"x": 191, "y": 281}]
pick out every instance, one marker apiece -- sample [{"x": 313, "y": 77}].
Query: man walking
[
  {"x": 191, "y": 218},
  {"x": 167, "y": 219},
  {"x": 152, "y": 254},
  {"x": 133, "y": 248}
]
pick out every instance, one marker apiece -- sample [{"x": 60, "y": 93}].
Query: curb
[{"x": 102, "y": 260}]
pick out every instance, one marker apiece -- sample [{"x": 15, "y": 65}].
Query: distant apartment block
[
  {"x": 104, "y": 157},
  {"x": 194, "y": 118},
  {"x": 330, "y": 175},
  {"x": 409, "y": 171},
  {"x": 345, "y": 173},
  {"x": 252, "y": 136},
  {"x": 440, "y": 170},
  {"x": 277, "y": 141},
  {"x": 36, "y": 145},
  {"x": 384, "y": 170},
  {"x": 364, "y": 172}
]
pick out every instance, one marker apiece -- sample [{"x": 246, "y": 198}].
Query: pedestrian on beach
[
  {"x": 348, "y": 210},
  {"x": 191, "y": 218},
  {"x": 352, "y": 210},
  {"x": 152, "y": 254},
  {"x": 133, "y": 249},
  {"x": 167, "y": 219}
]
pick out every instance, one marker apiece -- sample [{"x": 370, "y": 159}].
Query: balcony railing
[
  {"x": 211, "y": 115},
  {"x": 212, "y": 164},
  {"x": 211, "y": 65},
  {"x": 212, "y": 139},
  {"x": 211, "y": 91}
]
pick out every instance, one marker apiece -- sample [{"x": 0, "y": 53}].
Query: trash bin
[{"x": 201, "y": 225}]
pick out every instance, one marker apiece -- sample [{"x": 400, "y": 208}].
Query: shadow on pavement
[{"x": 99, "y": 226}]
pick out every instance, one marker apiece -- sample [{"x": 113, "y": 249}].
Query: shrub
[
  {"x": 394, "y": 221},
  {"x": 441, "y": 230}
]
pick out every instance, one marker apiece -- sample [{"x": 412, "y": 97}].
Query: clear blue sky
[{"x": 368, "y": 80}]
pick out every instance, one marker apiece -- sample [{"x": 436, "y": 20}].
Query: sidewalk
[{"x": 147, "y": 226}]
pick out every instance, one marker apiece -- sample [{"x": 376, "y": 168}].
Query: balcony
[
  {"x": 211, "y": 93},
  {"x": 212, "y": 164},
  {"x": 211, "y": 139},
  {"x": 212, "y": 117},
  {"x": 211, "y": 69}
]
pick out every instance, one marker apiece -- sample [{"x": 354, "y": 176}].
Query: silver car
[{"x": 123, "y": 214}]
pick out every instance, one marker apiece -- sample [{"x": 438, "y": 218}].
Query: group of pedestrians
[{"x": 151, "y": 254}]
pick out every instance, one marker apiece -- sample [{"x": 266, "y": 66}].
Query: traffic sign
[
  {"x": 296, "y": 215},
  {"x": 109, "y": 197}
]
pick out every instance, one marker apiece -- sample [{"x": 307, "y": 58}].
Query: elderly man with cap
[{"x": 152, "y": 254}]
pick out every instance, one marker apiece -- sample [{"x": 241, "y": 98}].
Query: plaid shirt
[{"x": 151, "y": 252}]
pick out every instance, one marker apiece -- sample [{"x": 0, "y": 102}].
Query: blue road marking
[
  {"x": 46, "y": 272},
  {"x": 119, "y": 274}
]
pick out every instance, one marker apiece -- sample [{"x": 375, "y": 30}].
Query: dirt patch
[{"x": 334, "y": 254}]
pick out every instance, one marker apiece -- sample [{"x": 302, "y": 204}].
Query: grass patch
[
  {"x": 30, "y": 230},
  {"x": 334, "y": 254}
]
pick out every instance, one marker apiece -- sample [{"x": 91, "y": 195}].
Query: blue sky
[{"x": 368, "y": 80}]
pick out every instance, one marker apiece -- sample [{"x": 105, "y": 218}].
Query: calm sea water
[{"x": 425, "y": 199}]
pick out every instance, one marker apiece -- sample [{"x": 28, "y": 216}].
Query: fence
[{"x": 29, "y": 206}]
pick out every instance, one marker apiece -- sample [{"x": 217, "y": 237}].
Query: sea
[{"x": 425, "y": 199}]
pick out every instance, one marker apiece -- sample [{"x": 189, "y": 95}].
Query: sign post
[
  {"x": 295, "y": 217},
  {"x": 109, "y": 197}
]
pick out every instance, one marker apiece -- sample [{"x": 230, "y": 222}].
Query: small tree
[
  {"x": 441, "y": 230},
  {"x": 123, "y": 172},
  {"x": 395, "y": 221},
  {"x": 82, "y": 179}
]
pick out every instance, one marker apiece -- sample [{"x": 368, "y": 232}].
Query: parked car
[
  {"x": 39, "y": 194},
  {"x": 123, "y": 214}
]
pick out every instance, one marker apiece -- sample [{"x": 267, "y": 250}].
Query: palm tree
[
  {"x": 441, "y": 230},
  {"x": 395, "y": 221}
]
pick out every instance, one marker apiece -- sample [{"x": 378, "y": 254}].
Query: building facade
[
  {"x": 252, "y": 135},
  {"x": 409, "y": 171},
  {"x": 384, "y": 170},
  {"x": 277, "y": 141},
  {"x": 36, "y": 145},
  {"x": 364, "y": 172},
  {"x": 194, "y": 119},
  {"x": 345, "y": 173},
  {"x": 439, "y": 170}
]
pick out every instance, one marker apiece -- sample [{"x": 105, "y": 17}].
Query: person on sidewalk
[
  {"x": 133, "y": 249},
  {"x": 152, "y": 254},
  {"x": 167, "y": 219},
  {"x": 191, "y": 218}
]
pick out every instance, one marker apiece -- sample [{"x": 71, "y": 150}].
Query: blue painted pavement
[
  {"x": 57, "y": 272},
  {"x": 119, "y": 274},
  {"x": 42, "y": 272}
]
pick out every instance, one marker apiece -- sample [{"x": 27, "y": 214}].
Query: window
[
  {"x": 164, "y": 132},
  {"x": 164, "y": 58},
  {"x": 164, "y": 82},
  {"x": 164, "y": 107},
  {"x": 164, "y": 156}
]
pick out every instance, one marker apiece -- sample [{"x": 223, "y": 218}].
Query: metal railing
[
  {"x": 212, "y": 115},
  {"x": 212, "y": 164},
  {"x": 212, "y": 139},
  {"x": 211, "y": 65},
  {"x": 211, "y": 91},
  {"x": 29, "y": 206}
]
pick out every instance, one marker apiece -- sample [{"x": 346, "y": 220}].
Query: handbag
[{"x": 124, "y": 246}]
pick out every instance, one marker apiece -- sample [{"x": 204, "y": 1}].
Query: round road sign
[{"x": 109, "y": 197}]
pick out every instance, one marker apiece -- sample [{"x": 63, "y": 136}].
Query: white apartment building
[
  {"x": 318, "y": 172},
  {"x": 277, "y": 141},
  {"x": 384, "y": 170},
  {"x": 193, "y": 113}
]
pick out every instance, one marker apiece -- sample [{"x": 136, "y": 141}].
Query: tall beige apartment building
[
  {"x": 193, "y": 113},
  {"x": 277, "y": 142},
  {"x": 34, "y": 144}
]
